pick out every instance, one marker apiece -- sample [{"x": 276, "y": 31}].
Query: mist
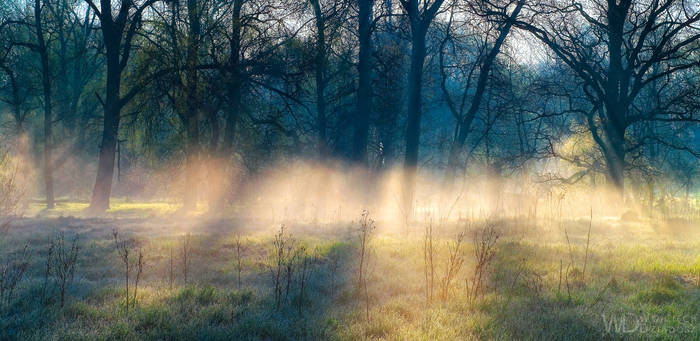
[{"x": 349, "y": 170}]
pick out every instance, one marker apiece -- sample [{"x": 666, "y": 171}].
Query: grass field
[{"x": 638, "y": 280}]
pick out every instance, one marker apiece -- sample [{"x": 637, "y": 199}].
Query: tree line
[{"x": 608, "y": 88}]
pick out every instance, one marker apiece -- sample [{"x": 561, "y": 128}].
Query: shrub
[
  {"x": 61, "y": 260},
  {"x": 455, "y": 260},
  {"x": 281, "y": 264},
  {"x": 484, "y": 240},
  {"x": 12, "y": 272},
  {"x": 239, "y": 249},
  {"x": 366, "y": 232},
  {"x": 186, "y": 255},
  {"x": 131, "y": 256}
]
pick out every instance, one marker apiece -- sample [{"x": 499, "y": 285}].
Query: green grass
[
  {"x": 633, "y": 288},
  {"x": 118, "y": 207}
]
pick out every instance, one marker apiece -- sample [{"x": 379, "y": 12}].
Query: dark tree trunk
[
  {"x": 110, "y": 126},
  {"x": 390, "y": 85},
  {"x": 415, "y": 82},
  {"x": 321, "y": 119},
  {"x": 364, "y": 93},
  {"x": 48, "y": 119},
  {"x": 616, "y": 165},
  {"x": 63, "y": 92},
  {"x": 212, "y": 117},
  {"x": 614, "y": 154},
  {"x": 234, "y": 97},
  {"x": 235, "y": 82},
  {"x": 388, "y": 111},
  {"x": 616, "y": 104},
  {"x": 192, "y": 164}
]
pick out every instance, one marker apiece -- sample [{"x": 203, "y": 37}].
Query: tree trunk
[
  {"x": 234, "y": 96},
  {"x": 453, "y": 161},
  {"x": 364, "y": 100},
  {"x": 48, "y": 119},
  {"x": 321, "y": 119},
  {"x": 615, "y": 160},
  {"x": 616, "y": 89},
  {"x": 105, "y": 163},
  {"x": 110, "y": 128},
  {"x": 212, "y": 117},
  {"x": 192, "y": 164},
  {"x": 415, "y": 81},
  {"x": 235, "y": 83}
]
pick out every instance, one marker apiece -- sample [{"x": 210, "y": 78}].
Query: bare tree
[
  {"x": 616, "y": 49},
  {"x": 465, "y": 107}
]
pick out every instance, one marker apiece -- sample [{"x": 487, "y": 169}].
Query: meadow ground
[{"x": 639, "y": 279}]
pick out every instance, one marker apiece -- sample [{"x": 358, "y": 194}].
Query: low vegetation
[{"x": 302, "y": 282}]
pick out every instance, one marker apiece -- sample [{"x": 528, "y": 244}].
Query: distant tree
[
  {"x": 37, "y": 43},
  {"x": 76, "y": 65}
]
